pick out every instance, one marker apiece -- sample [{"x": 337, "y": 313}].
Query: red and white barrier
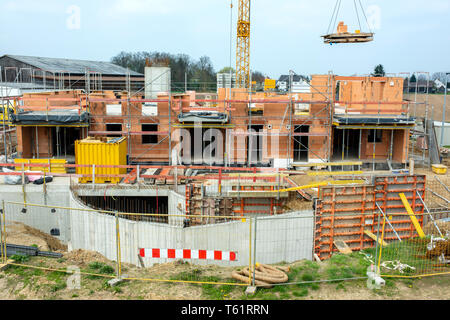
[{"x": 188, "y": 254}]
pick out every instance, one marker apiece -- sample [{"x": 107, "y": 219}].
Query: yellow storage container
[
  {"x": 6, "y": 110},
  {"x": 90, "y": 151},
  {"x": 269, "y": 84},
  {"x": 439, "y": 168},
  {"x": 56, "y": 165}
]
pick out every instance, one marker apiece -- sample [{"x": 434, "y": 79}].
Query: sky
[{"x": 410, "y": 35}]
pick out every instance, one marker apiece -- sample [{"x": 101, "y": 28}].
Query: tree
[
  {"x": 181, "y": 65},
  {"x": 441, "y": 76},
  {"x": 133, "y": 61},
  {"x": 379, "y": 71},
  {"x": 227, "y": 70},
  {"x": 258, "y": 76},
  {"x": 203, "y": 75},
  {"x": 413, "y": 78}
]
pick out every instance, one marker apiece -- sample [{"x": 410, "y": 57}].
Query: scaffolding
[{"x": 307, "y": 125}]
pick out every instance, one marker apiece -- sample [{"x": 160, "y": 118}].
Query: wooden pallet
[{"x": 348, "y": 37}]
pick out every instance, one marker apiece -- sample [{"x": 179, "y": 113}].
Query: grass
[
  {"x": 300, "y": 293},
  {"x": 210, "y": 291},
  {"x": 58, "y": 286},
  {"x": 19, "y": 258},
  {"x": 56, "y": 280},
  {"x": 304, "y": 277},
  {"x": 99, "y": 268},
  {"x": 29, "y": 276},
  {"x": 410, "y": 252},
  {"x": 56, "y": 276}
]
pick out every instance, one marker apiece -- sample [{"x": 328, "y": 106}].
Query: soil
[
  {"x": 16, "y": 286},
  {"x": 423, "y": 289},
  {"x": 430, "y": 228},
  {"x": 21, "y": 234},
  {"x": 84, "y": 257},
  {"x": 436, "y": 100},
  {"x": 295, "y": 204}
]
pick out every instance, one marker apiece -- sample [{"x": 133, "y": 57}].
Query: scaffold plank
[
  {"x": 334, "y": 173},
  {"x": 332, "y": 164}
]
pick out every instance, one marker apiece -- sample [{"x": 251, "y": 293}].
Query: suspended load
[{"x": 342, "y": 35}]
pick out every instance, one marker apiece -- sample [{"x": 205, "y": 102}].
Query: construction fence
[{"x": 235, "y": 252}]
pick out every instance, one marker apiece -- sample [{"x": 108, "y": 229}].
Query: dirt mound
[
  {"x": 294, "y": 204},
  {"x": 85, "y": 256},
  {"x": 441, "y": 247},
  {"x": 436, "y": 100},
  {"x": 22, "y": 234},
  {"x": 430, "y": 229},
  {"x": 52, "y": 243}
]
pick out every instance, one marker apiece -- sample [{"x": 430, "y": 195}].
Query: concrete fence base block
[
  {"x": 4, "y": 265},
  {"x": 250, "y": 291},
  {"x": 374, "y": 281},
  {"x": 116, "y": 281}
]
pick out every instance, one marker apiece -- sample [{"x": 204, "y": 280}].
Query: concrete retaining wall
[
  {"x": 41, "y": 218},
  {"x": 287, "y": 238},
  {"x": 278, "y": 239}
]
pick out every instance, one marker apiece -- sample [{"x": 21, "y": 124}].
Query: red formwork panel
[
  {"x": 344, "y": 212},
  {"x": 387, "y": 191}
]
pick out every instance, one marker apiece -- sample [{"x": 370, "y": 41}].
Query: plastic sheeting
[
  {"x": 13, "y": 179},
  {"x": 203, "y": 116},
  {"x": 51, "y": 117},
  {"x": 374, "y": 120}
]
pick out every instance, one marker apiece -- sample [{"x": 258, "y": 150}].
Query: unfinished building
[
  {"x": 58, "y": 74},
  {"x": 337, "y": 119}
]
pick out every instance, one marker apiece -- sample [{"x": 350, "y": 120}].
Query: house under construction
[{"x": 338, "y": 119}]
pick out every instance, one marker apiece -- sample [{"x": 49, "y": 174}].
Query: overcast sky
[{"x": 411, "y": 35}]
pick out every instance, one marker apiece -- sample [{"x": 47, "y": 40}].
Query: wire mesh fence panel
[
  {"x": 61, "y": 240},
  {"x": 279, "y": 241},
  {"x": 105, "y": 244},
  {"x": 3, "y": 254},
  {"x": 284, "y": 239},
  {"x": 100, "y": 243},
  {"x": 437, "y": 196},
  {"x": 284, "y": 256},
  {"x": 422, "y": 254},
  {"x": 225, "y": 245}
]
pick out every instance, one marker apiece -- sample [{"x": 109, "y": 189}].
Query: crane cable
[
  {"x": 365, "y": 17},
  {"x": 357, "y": 14},
  {"x": 335, "y": 15}
]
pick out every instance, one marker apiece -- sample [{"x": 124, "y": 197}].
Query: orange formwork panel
[{"x": 343, "y": 213}]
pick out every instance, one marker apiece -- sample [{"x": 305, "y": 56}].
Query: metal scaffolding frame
[{"x": 294, "y": 121}]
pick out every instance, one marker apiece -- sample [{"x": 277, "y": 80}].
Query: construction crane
[
  {"x": 243, "y": 45},
  {"x": 243, "y": 37}
]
